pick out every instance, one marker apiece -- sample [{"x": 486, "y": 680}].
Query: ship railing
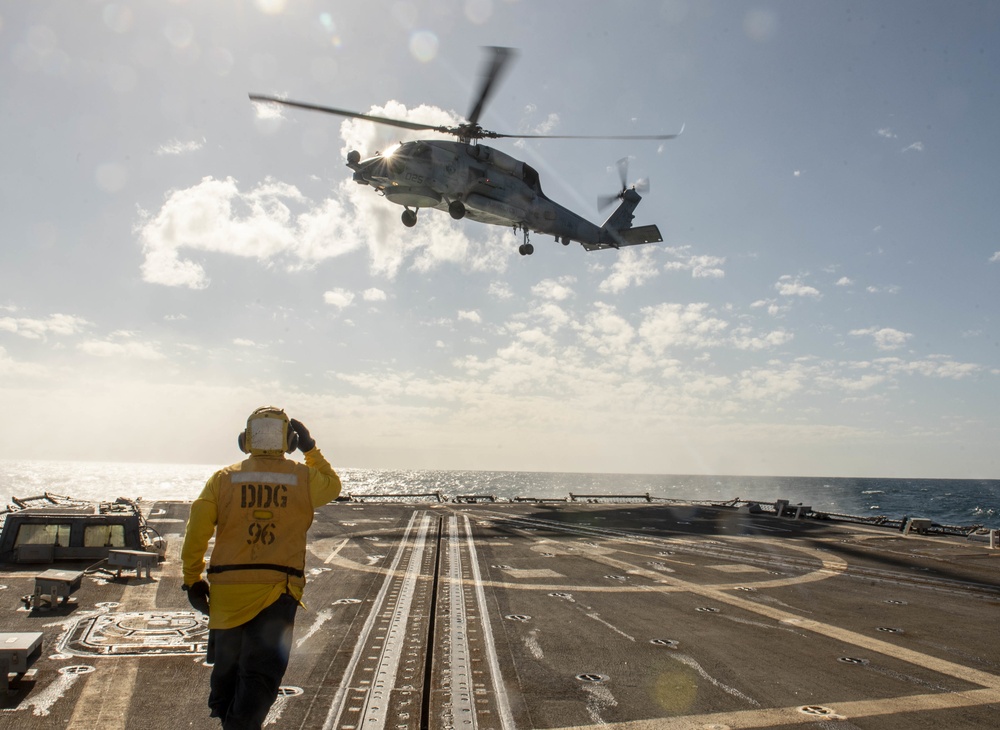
[
  {"x": 594, "y": 498},
  {"x": 400, "y": 497}
]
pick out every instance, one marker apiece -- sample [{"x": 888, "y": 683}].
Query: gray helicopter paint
[{"x": 492, "y": 187}]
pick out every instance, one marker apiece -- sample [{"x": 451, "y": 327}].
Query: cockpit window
[{"x": 530, "y": 176}]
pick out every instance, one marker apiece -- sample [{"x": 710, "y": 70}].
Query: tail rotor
[{"x": 639, "y": 186}]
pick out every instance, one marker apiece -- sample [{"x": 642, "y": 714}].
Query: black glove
[
  {"x": 198, "y": 596},
  {"x": 306, "y": 442}
]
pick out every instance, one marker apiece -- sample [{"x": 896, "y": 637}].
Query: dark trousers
[{"x": 250, "y": 661}]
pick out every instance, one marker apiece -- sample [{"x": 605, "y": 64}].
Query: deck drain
[
  {"x": 107, "y": 605},
  {"x": 707, "y": 609},
  {"x": 343, "y": 601},
  {"x": 817, "y": 710},
  {"x": 889, "y": 630},
  {"x": 561, "y": 595},
  {"x": 894, "y": 602},
  {"x": 671, "y": 643},
  {"x": 548, "y": 555},
  {"x": 853, "y": 660},
  {"x": 592, "y": 678},
  {"x": 502, "y": 567},
  {"x": 615, "y": 577},
  {"x": 666, "y": 552},
  {"x": 517, "y": 617},
  {"x": 746, "y": 588},
  {"x": 76, "y": 669},
  {"x": 290, "y": 691}
]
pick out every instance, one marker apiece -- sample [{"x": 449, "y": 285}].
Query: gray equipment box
[{"x": 18, "y": 651}]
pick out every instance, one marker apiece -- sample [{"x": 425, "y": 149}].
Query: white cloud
[
  {"x": 701, "y": 266},
  {"x": 995, "y": 257},
  {"x": 275, "y": 221},
  {"x": 935, "y": 366},
  {"x": 471, "y": 316},
  {"x": 120, "y": 346},
  {"x": 890, "y": 289},
  {"x": 501, "y": 290},
  {"x": 606, "y": 332},
  {"x": 631, "y": 268},
  {"x": 241, "y": 342},
  {"x": 775, "y": 382},
  {"x": 373, "y": 295},
  {"x": 887, "y": 133},
  {"x": 9, "y": 367},
  {"x": 916, "y": 147},
  {"x": 773, "y": 307},
  {"x": 745, "y": 339},
  {"x": 885, "y": 338},
  {"x": 669, "y": 326},
  {"x": 788, "y": 286},
  {"x": 844, "y": 281},
  {"x": 339, "y": 298},
  {"x": 38, "y": 329},
  {"x": 555, "y": 290},
  {"x": 176, "y": 147}
]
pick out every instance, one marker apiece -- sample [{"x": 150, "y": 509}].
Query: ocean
[{"x": 946, "y": 501}]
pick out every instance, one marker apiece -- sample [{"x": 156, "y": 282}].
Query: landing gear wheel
[
  {"x": 409, "y": 218},
  {"x": 526, "y": 249},
  {"x": 456, "y": 209},
  {"x": 565, "y": 240}
]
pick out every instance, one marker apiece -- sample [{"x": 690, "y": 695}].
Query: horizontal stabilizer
[{"x": 629, "y": 237}]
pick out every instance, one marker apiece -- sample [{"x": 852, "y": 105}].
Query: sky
[{"x": 825, "y": 300}]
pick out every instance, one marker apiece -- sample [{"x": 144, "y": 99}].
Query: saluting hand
[{"x": 306, "y": 442}]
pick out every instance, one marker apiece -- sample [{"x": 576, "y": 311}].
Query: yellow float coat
[{"x": 259, "y": 511}]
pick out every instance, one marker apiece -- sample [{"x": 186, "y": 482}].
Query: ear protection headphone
[{"x": 291, "y": 437}]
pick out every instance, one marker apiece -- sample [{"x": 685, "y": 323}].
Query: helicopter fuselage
[{"x": 472, "y": 181}]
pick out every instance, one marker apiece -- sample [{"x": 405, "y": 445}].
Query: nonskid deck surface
[{"x": 507, "y": 615}]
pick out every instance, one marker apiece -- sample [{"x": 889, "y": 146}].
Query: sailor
[{"x": 259, "y": 511}]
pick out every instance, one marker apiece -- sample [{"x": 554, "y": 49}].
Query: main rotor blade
[
  {"x": 501, "y": 57},
  {"x": 352, "y": 115},
  {"x": 496, "y": 135}
]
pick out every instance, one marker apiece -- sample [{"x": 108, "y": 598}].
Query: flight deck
[{"x": 503, "y": 615}]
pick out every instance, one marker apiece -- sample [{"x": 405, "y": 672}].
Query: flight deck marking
[
  {"x": 341, "y": 695},
  {"x": 499, "y": 691},
  {"x": 336, "y": 550},
  {"x": 459, "y": 679},
  {"x": 830, "y": 567},
  {"x": 764, "y": 718},
  {"x": 791, "y": 716}
]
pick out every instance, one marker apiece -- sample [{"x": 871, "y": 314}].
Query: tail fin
[
  {"x": 617, "y": 230},
  {"x": 621, "y": 218}
]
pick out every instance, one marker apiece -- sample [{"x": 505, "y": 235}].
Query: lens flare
[{"x": 423, "y": 45}]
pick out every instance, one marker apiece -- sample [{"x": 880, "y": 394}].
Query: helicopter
[{"x": 472, "y": 180}]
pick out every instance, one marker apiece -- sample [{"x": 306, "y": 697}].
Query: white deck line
[
  {"x": 499, "y": 691},
  {"x": 337, "y": 707},
  {"x": 376, "y": 708},
  {"x": 463, "y": 710}
]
